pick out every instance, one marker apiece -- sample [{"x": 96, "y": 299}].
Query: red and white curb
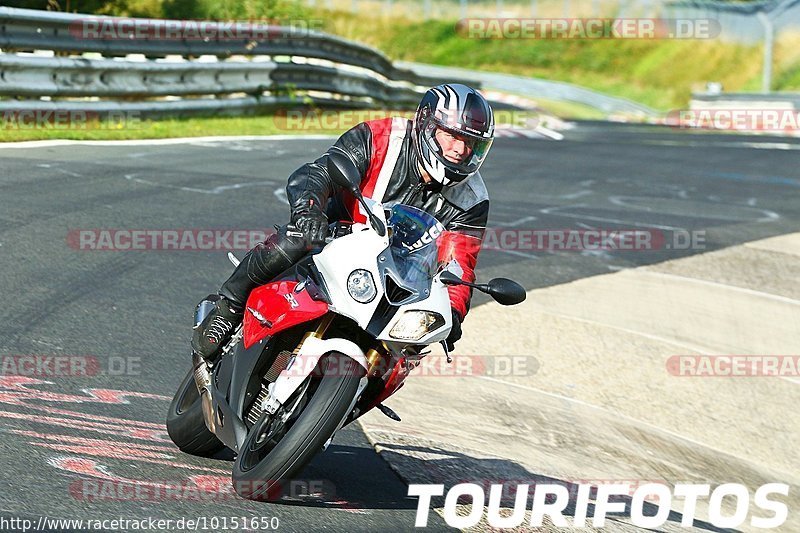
[
  {"x": 547, "y": 128},
  {"x": 540, "y": 132}
]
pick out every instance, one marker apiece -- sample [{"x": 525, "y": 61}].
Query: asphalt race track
[{"x": 70, "y": 441}]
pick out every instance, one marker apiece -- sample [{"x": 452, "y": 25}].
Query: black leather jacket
[{"x": 463, "y": 209}]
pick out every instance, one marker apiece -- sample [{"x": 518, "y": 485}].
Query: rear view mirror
[
  {"x": 343, "y": 171},
  {"x": 448, "y": 278},
  {"x": 505, "y": 291}
]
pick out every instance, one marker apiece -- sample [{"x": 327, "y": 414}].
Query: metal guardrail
[
  {"x": 356, "y": 76},
  {"x": 773, "y": 114},
  {"x": 747, "y": 100},
  {"x": 74, "y": 77}
]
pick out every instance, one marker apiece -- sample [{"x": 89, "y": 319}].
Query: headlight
[
  {"x": 361, "y": 286},
  {"x": 414, "y": 325}
]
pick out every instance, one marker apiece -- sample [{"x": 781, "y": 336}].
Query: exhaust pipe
[{"x": 202, "y": 378}]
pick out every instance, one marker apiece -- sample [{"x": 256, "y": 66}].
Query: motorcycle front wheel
[{"x": 272, "y": 454}]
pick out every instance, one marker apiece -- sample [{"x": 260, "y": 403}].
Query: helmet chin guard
[{"x": 459, "y": 111}]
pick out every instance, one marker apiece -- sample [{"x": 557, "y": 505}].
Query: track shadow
[
  {"x": 348, "y": 475},
  {"x": 453, "y": 467}
]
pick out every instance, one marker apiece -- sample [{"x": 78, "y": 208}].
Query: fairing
[{"x": 277, "y": 306}]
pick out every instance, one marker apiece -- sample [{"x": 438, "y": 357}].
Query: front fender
[{"x": 306, "y": 361}]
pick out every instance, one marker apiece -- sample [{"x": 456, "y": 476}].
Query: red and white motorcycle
[{"x": 322, "y": 344}]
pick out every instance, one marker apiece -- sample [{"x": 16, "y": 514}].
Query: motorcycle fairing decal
[{"x": 275, "y": 307}]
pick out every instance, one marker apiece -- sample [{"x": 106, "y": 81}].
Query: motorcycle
[{"x": 325, "y": 342}]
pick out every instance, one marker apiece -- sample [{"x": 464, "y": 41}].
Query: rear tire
[
  {"x": 259, "y": 477},
  {"x": 185, "y": 424}
]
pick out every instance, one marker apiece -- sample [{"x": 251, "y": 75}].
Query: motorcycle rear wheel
[{"x": 185, "y": 424}]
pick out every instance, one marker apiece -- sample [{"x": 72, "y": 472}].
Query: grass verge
[
  {"x": 304, "y": 122},
  {"x": 659, "y": 73},
  {"x": 151, "y": 129}
]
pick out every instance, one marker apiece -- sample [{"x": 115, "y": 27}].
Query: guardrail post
[{"x": 769, "y": 37}]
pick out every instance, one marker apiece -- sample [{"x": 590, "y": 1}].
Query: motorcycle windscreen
[{"x": 413, "y": 251}]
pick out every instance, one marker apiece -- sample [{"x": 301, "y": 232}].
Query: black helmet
[{"x": 460, "y": 111}]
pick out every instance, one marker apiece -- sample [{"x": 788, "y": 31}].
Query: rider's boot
[
  {"x": 216, "y": 328},
  {"x": 260, "y": 266}
]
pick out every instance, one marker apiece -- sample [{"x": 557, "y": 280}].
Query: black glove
[
  {"x": 313, "y": 224},
  {"x": 455, "y": 331}
]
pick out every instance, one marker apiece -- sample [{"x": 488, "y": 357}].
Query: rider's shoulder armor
[{"x": 468, "y": 193}]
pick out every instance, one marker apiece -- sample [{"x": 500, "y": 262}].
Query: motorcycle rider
[{"x": 430, "y": 162}]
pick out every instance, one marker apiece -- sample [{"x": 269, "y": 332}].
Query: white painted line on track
[
  {"x": 733, "y": 144},
  {"x": 552, "y": 134},
  {"x": 665, "y": 340},
  {"x": 148, "y": 142},
  {"x": 216, "y": 190},
  {"x": 743, "y": 290},
  {"x": 614, "y": 414},
  {"x": 554, "y": 210}
]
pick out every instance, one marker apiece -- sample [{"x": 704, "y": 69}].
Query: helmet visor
[{"x": 456, "y": 149}]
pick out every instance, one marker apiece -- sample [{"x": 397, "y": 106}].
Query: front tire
[
  {"x": 185, "y": 424},
  {"x": 261, "y": 468}
]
